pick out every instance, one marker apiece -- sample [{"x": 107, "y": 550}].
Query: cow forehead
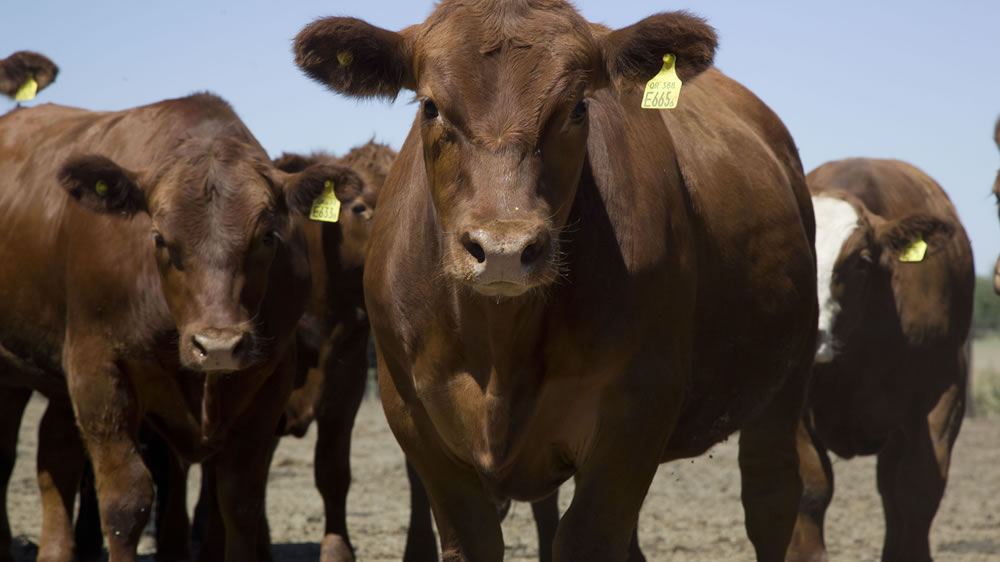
[{"x": 836, "y": 220}]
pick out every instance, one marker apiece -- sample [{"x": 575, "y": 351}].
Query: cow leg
[
  {"x": 60, "y": 463},
  {"x": 12, "y": 404},
  {"x": 109, "y": 423},
  {"x": 769, "y": 470},
  {"x": 636, "y": 422},
  {"x": 912, "y": 474},
  {"x": 342, "y": 390},
  {"x": 173, "y": 535},
  {"x": 546, "y": 513},
  {"x": 421, "y": 545},
  {"x": 87, "y": 532},
  {"x": 817, "y": 491}
]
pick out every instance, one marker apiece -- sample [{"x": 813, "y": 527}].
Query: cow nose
[
  {"x": 218, "y": 350},
  {"x": 513, "y": 249}
]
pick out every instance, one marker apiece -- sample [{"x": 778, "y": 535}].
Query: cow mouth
[{"x": 501, "y": 289}]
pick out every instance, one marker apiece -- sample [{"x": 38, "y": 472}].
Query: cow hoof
[{"x": 336, "y": 549}]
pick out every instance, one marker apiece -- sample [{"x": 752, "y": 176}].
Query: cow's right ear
[
  {"x": 293, "y": 163},
  {"x": 634, "y": 54},
  {"x": 302, "y": 188},
  {"x": 102, "y": 186},
  {"x": 355, "y": 58}
]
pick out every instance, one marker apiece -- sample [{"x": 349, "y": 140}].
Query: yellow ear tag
[
  {"x": 326, "y": 207},
  {"x": 345, "y": 58},
  {"x": 663, "y": 90},
  {"x": 915, "y": 252},
  {"x": 101, "y": 188},
  {"x": 27, "y": 90}
]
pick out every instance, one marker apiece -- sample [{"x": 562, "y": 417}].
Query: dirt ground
[{"x": 692, "y": 511}]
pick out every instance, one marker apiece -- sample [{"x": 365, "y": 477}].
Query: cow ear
[
  {"x": 996, "y": 133},
  {"x": 302, "y": 188},
  {"x": 634, "y": 54},
  {"x": 911, "y": 238},
  {"x": 355, "y": 58},
  {"x": 292, "y": 163},
  {"x": 21, "y": 66},
  {"x": 102, "y": 186}
]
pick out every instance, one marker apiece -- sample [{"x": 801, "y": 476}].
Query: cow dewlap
[{"x": 663, "y": 90}]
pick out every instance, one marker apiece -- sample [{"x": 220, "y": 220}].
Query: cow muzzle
[
  {"x": 219, "y": 350},
  {"x": 506, "y": 258}
]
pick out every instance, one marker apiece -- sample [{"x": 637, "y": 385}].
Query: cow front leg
[
  {"x": 342, "y": 390},
  {"x": 817, "y": 490},
  {"x": 769, "y": 471},
  {"x": 12, "y": 404},
  {"x": 912, "y": 474},
  {"x": 60, "y": 463},
  {"x": 421, "y": 546},
  {"x": 546, "y": 514}
]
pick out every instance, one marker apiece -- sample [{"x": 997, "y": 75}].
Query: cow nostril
[
  {"x": 202, "y": 352},
  {"x": 473, "y": 248},
  {"x": 531, "y": 253}
]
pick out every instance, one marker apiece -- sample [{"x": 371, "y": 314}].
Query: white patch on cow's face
[{"x": 836, "y": 220}]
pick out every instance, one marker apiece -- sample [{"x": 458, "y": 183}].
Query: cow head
[
  {"x": 504, "y": 90},
  {"x": 996, "y": 193},
  {"x": 220, "y": 215},
  {"x": 857, "y": 254}
]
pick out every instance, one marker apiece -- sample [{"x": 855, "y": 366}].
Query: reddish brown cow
[
  {"x": 168, "y": 292},
  {"x": 996, "y": 193},
  {"x": 23, "y": 66},
  {"x": 895, "y": 287},
  {"x": 562, "y": 284}
]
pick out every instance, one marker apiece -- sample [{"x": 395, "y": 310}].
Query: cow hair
[
  {"x": 379, "y": 65},
  {"x": 898, "y": 235},
  {"x": 294, "y": 163},
  {"x": 79, "y": 176},
  {"x": 305, "y": 186},
  {"x": 15, "y": 68},
  {"x": 635, "y": 53},
  {"x": 373, "y": 158}
]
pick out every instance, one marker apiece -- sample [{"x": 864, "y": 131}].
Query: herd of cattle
[{"x": 560, "y": 284}]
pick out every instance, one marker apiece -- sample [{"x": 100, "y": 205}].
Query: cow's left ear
[
  {"x": 302, "y": 188},
  {"x": 102, "y": 186},
  {"x": 911, "y": 238},
  {"x": 634, "y": 54}
]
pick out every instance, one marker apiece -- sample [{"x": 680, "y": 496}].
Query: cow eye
[
  {"x": 270, "y": 239},
  {"x": 430, "y": 109},
  {"x": 579, "y": 112},
  {"x": 358, "y": 208},
  {"x": 864, "y": 260},
  {"x": 158, "y": 240}
]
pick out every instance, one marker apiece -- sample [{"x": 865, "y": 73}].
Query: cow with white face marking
[{"x": 895, "y": 284}]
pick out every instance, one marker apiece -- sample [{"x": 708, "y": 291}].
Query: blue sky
[{"x": 907, "y": 79}]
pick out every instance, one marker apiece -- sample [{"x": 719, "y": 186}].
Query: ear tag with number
[
  {"x": 326, "y": 207},
  {"x": 915, "y": 252},
  {"x": 663, "y": 90},
  {"x": 27, "y": 90}
]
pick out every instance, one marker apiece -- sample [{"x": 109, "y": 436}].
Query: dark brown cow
[
  {"x": 167, "y": 293},
  {"x": 895, "y": 287},
  {"x": 562, "y": 284},
  {"x": 22, "y": 67},
  {"x": 996, "y": 193}
]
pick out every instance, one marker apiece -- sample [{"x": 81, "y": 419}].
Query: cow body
[
  {"x": 168, "y": 295},
  {"x": 896, "y": 283},
  {"x": 563, "y": 284}
]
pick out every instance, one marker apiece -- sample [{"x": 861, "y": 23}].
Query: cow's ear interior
[
  {"x": 904, "y": 235},
  {"x": 302, "y": 188},
  {"x": 102, "y": 186},
  {"x": 355, "y": 58},
  {"x": 634, "y": 54}
]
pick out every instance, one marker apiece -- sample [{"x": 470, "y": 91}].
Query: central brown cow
[
  {"x": 168, "y": 293},
  {"x": 562, "y": 284}
]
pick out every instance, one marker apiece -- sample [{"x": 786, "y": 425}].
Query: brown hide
[
  {"x": 168, "y": 292},
  {"x": 656, "y": 284},
  {"x": 15, "y": 70},
  {"x": 895, "y": 383}
]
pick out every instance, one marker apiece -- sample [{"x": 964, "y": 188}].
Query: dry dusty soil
[{"x": 692, "y": 511}]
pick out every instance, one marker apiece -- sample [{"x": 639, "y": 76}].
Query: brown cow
[
  {"x": 23, "y": 66},
  {"x": 167, "y": 293},
  {"x": 562, "y": 284},
  {"x": 996, "y": 193},
  {"x": 895, "y": 287}
]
